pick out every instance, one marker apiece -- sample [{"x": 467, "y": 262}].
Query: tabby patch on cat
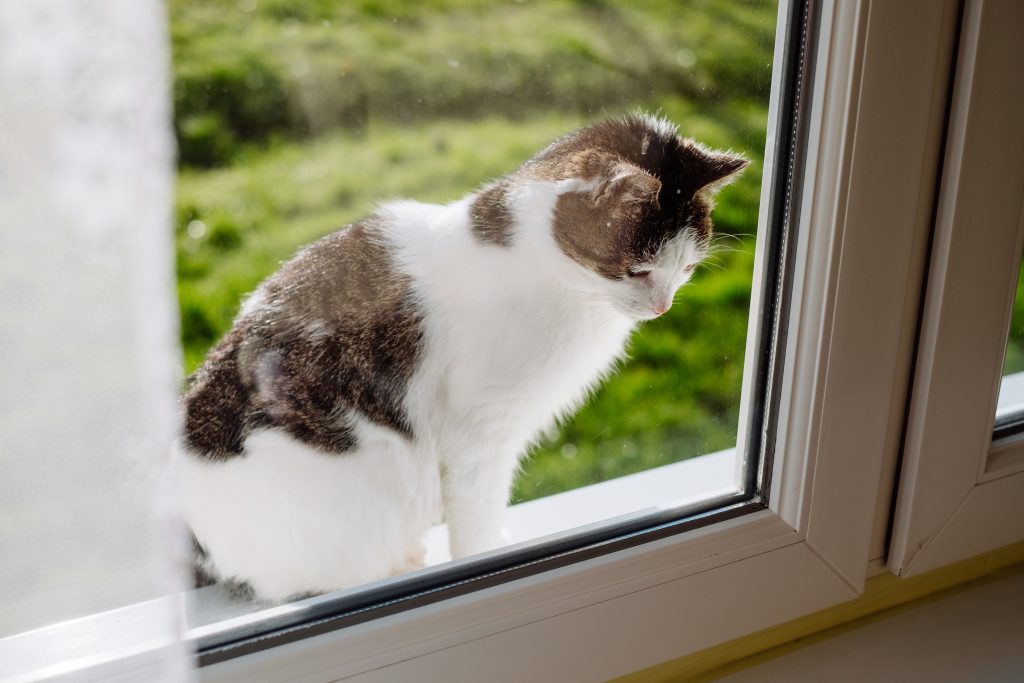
[{"x": 392, "y": 374}]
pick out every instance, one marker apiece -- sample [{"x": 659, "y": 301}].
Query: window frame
[
  {"x": 863, "y": 215},
  {"x": 960, "y": 490}
]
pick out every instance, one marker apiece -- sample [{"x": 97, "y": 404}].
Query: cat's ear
[
  {"x": 710, "y": 170},
  {"x": 628, "y": 183}
]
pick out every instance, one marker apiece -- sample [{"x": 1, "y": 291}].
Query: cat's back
[
  {"x": 348, "y": 278},
  {"x": 331, "y": 338}
]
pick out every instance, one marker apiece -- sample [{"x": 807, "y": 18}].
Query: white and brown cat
[{"x": 392, "y": 374}]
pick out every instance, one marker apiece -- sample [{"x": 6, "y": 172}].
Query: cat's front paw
[
  {"x": 415, "y": 558},
  {"x": 478, "y": 543}
]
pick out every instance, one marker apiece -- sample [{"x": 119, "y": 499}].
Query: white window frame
[
  {"x": 864, "y": 214},
  {"x": 961, "y": 494}
]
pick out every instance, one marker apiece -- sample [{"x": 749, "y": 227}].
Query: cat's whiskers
[
  {"x": 716, "y": 264},
  {"x": 718, "y": 246},
  {"x": 721, "y": 236}
]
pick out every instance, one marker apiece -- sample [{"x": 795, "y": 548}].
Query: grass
[
  {"x": 1014, "y": 361},
  {"x": 250, "y": 71},
  {"x": 294, "y": 118}
]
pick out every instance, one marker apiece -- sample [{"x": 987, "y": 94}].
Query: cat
[{"x": 393, "y": 373}]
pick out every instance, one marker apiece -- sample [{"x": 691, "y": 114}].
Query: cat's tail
[{"x": 203, "y": 573}]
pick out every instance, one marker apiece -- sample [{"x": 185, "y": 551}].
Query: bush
[
  {"x": 242, "y": 99},
  {"x": 204, "y": 141}
]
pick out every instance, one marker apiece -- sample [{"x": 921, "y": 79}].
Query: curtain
[{"x": 92, "y": 552}]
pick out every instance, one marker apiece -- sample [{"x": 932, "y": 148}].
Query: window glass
[
  {"x": 296, "y": 117},
  {"x": 1011, "y": 391}
]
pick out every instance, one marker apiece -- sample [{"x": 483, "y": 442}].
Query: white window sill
[
  {"x": 129, "y": 643},
  {"x": 678, "y": 484}
]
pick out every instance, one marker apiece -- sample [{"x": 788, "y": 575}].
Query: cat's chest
[{"x": 523, "y": 360}]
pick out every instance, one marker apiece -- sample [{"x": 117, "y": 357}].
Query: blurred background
[{"x": 295, "y": 117}]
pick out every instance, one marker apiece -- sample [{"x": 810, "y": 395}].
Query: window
[
  {"x": 295, "y": 118},
  {"x": 824, "y": 480},
  {"x": 1011, "y": 389},
  {"x": 892, "y": 319},
  {"x": 961, "y": 483}
]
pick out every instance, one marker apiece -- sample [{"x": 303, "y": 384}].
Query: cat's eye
[{"x": 638, "y": 273}]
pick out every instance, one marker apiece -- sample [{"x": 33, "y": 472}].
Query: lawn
[{"x": 295, "y": 117}]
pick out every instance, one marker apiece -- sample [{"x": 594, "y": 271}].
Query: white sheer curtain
[{"x": 91, "y": 551}]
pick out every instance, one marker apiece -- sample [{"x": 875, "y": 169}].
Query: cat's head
[{"x": 635, "y": 215}]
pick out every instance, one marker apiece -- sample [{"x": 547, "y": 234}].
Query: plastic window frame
[
  {"x": 867, "y": 192},
  {"x": 960, "y": 488}
]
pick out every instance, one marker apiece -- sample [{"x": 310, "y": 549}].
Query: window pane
[
  {"x": 296, "y": 118},
  {"x": 1011, "y": 392}
]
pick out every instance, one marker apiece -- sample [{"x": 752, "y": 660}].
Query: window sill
[
  {"x": 678, "y": 484},
  {"x": 215, "y": 616},
  {"x": 128, "y": 643}
]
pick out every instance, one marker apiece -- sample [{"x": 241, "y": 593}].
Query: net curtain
[{"x": 92, "y": 552}]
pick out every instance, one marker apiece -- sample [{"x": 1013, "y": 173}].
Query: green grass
[
  {"x": 295, "y": 118},
  {"x": 298, "y": 68},
  {"x": 1014, "y": 361}
]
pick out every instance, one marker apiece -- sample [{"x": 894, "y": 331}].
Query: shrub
[{"x": 239, "y": 99}]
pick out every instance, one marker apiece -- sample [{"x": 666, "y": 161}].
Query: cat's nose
[{"x": 661, "y": 307}]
